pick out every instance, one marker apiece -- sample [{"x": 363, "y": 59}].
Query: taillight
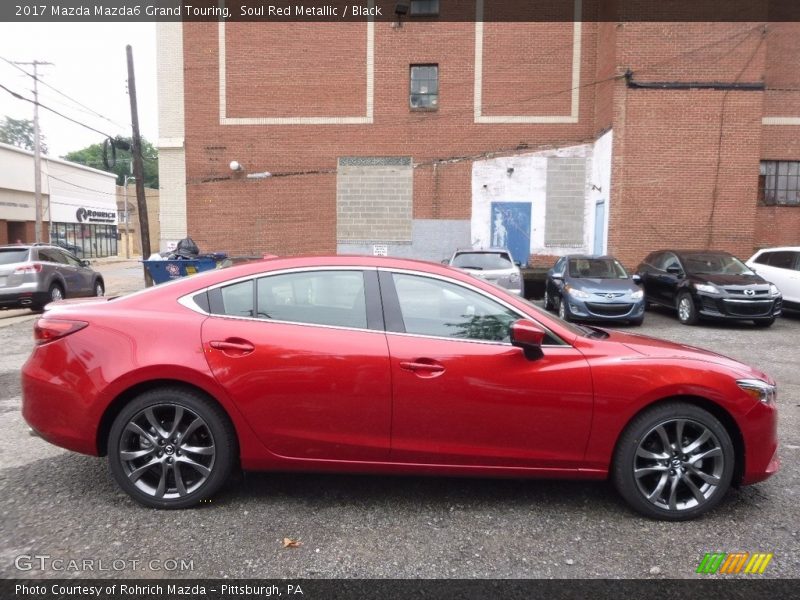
[
  {"x": 47, "y": 330},
  {"x": 28, "y": 268}
]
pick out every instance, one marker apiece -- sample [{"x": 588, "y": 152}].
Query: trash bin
[{"x": 165, "y": 270}]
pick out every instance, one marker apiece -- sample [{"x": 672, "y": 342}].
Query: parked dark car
[
  {"x": 593, "y": 288},
  {"x": 33, "y": 275},
  {"x": 708, "y": 284}
]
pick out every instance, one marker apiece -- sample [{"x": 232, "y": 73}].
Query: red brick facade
[{"x": 685, "y": 162}]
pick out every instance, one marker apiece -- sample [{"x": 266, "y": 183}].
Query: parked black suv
[{"x": 708, "y": 283}]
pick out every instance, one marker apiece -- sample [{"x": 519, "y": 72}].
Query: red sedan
[{"x": 378, "y": 365}]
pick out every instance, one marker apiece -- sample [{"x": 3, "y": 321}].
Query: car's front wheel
[
  {"x": 674, "y": 462},
  {"x": 687, "y": 312},
  {"x": 563, "y": 309},
  {"x": 171, "y": 448},
  {"x": 548, "y": 300}
]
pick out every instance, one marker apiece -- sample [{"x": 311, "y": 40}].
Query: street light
[{"x": 127, "y": 179}]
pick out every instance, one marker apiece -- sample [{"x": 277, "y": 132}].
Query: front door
[
  {"x": 464, "y": 396},
  {"x": 511, "y": 228}
]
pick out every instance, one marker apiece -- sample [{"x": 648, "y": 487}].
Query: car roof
[{"x": 493, "y": 249}]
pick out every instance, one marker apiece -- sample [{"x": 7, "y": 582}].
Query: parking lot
[{"x": 66, "y": 506}]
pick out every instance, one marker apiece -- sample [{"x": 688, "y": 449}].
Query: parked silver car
[
  {"x": 492, "y": 264},
  {"x": 33, "y": 275}
]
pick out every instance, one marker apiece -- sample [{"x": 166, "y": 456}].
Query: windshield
[
  {"x": 13, "y": 255},
  {"x": 714, "y": 264},
  {"x": 483, "y": 261},
  {"x": 596, "y": 268}
]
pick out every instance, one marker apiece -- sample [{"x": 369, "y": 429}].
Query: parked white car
[
  {"x": 780, "y": 266},
  {"x": 492, "y": 264}
]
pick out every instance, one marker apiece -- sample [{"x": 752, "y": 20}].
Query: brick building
[{"x": 421, "y": 137}]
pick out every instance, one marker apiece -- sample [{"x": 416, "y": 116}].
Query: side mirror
[
  {"x": 85, "y": 263},
  {"x": 636, "y": 278},
  {"x": 446, "y": 261},
  {"x": 518, "y": 263},
  {"x": 674, "y": 270},
  {"x": 558, "y": 276},
  {"x": 528, "y": 336}
]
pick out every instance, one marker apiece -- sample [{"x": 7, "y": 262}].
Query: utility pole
[
  {"x": 138, "y": 168},
  {"x": 37, "y": 147}
]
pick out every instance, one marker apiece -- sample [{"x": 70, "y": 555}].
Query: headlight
[
  {"x": 707, "y": 288},
  {"x": 773, "y": 290},
  {"x": 637, "y": 295},
  {"x": 759, "y": 390},
  {"x": 576, "y": 293}
]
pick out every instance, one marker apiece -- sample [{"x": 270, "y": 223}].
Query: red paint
[{"x": 333, "y": 399}]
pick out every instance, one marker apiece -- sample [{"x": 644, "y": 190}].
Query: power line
[
  {"x": 21, "y": 97},
  {"x": 44, "y": 83}
]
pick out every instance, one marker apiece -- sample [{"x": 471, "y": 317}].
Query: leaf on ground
[{"x": 290, "y": 543}]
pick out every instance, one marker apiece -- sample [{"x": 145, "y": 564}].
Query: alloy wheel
[
  {"x": 167, "y": 451},
  {"x": 679, "y": 465},
  {"x": 56, "y": 294}
]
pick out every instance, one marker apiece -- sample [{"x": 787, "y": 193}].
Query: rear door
[{"x": 304, "y": 356}]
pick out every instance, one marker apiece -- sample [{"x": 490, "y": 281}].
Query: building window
[
  {"x": 779, "y": 183},
  {"x": 424, "y": 8},
  {"x": 424, "y": 87}
]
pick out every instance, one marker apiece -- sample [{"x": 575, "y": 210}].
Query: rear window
[
  {"x": 13, "y": 255},
  {"x": 483, "y": 261}
]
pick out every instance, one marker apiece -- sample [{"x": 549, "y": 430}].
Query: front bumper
[
  {"x": 618, "y": 310},
  {"x": 760, "y": 433},
  {"x": 724, "y": 307}
]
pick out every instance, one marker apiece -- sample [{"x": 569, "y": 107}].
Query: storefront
[{"x": 91, "y": 232}]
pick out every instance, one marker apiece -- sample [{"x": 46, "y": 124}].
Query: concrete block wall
[{"x": 566, "y": 199}]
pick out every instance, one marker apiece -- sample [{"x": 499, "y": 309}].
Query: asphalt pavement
[{"x": 66, "y": 506}]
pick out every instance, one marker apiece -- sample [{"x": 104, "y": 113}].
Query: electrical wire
[
  {"x": 44, "y": 83},
  {"x": 21, "y": 97}
]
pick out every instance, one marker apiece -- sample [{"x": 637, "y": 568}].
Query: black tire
[
  {"x": 548, "y": 301},
  {"x": 152, "y": 479},
  {"x": 99, "y": 288},
  {"x": 637, "y": 322},
  {"x": 764, "y": 322},
  {"x": 687, "y": 311},
  {"x": 563, "y": 309},
  {"x": 640, "y": 447}
]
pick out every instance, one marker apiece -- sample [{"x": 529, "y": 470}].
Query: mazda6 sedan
[{"x": 378, "y": 365}]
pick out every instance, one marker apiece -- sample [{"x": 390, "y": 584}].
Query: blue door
[
  {"x": 511, "y": 228},
  {"x": 599, "y": 226}
]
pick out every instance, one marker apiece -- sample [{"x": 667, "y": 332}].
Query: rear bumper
[{"x": 22, "y": 299}]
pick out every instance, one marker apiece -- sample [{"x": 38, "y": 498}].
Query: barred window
[{"x": 779, "y": 183}]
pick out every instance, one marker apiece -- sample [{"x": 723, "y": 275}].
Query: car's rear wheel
[
  {"x": 99, "y": 289},
  {"x": 674, "y": 462},
  {"x": 56, "y": 293},
  {"x": 687, "y": 312},
  {"x": 171, "y": 448}
]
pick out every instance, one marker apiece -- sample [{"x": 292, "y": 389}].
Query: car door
[
  {"x": 84, "y": 276},
  {"x": 464, "y": 396},
  {"x": 304, "y": 356}
]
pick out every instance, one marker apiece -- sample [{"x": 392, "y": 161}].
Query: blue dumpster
[{"x": 165, "y": 270}]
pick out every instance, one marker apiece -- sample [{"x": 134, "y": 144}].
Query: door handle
[
  {"x": 423, "y": 369},
  {"x": 233, "y": 347}
]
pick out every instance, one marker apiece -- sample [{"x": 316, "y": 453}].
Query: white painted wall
[{"x": 528, "y": 183}]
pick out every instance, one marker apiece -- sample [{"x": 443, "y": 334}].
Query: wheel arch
[
  {"x": 722, "y": 415},
  {"x": 124, "y": 397}
]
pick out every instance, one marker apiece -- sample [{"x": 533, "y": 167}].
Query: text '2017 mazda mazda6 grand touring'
[{"x": 380, "y": 365}]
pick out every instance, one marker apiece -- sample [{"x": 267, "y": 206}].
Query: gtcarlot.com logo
[
  {"x": 734, "y": 563},
  {"x": 46, "y": 562}
]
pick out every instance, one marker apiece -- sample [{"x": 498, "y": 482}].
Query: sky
[{"x": 90, "y": 66}]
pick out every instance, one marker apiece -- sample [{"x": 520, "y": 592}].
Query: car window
[
  {"x": 442, "y": 309},
  {"x": 71, "y": 260},
  {"x": 715, "y": 264},
  {"x": 13, "y": 255},
  {"x": 483, "y": 261},
  {"x": 50, "y": 255},
  {"x": 783, "y": 259},
  {"x": 667, "y": 260},
  {"x": 596, "y": 268},
  {"x": 558, "y": 268},
  {"x": 319, "y": 298},
  {"x": 237, "y": 299}
]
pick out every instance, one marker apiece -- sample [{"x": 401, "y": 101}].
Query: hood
[
  {"x": 603, "y": 286},
  {"x": 723, "y": 279},
  {"x": 663, "y": 349}
]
